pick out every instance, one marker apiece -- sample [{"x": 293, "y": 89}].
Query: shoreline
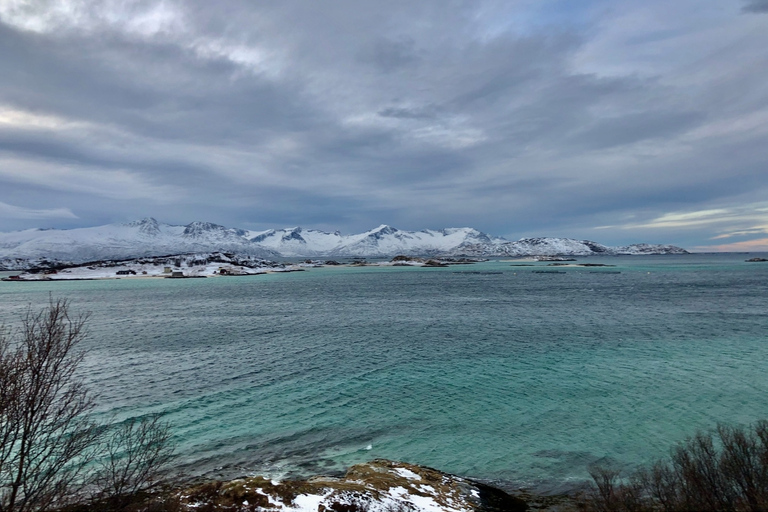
[
  {"x": 211, "y": 267},
  {"x": 379, "y": 485}
]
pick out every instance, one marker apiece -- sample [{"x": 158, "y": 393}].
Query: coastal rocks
[
  {"x": 414, "y": 261},
  {"x": 755, "y": 260},
  {"x": 376, "y": 486}
]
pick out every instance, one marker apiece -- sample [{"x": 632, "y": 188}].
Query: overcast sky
[{"x": 613, "y": 120}]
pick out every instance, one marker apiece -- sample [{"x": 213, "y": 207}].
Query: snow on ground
[
  {"x": 136, "y": 269},
  {"x": 376, "y": 486},
  {"x": 407, "y": 473}
]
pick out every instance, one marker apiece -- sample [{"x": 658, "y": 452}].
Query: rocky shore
[{"x": 376, "y": 486}]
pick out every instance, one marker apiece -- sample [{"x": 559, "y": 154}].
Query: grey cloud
[
  {"x": 605, "y": 133},
  {"x": 350, "y": 114},
  {"x": 390, "y": 55},
  {"x": 16, "y": 212},
  {"x": 153, "y": 89},
  {"x": 755, "y": 6},
  {"x": 426, "y": 112},
  {"x": 42, "y": 145}
]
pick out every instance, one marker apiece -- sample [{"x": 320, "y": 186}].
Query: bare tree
[
  {"x": 46, "y": 433},
  {"x": 722, "y": 470},
  {"x": 135, "y": 454}
]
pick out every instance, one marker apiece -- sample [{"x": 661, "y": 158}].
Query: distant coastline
[
  {"x": 148, "y": 238},
  {"x": 183, "y": 266}
]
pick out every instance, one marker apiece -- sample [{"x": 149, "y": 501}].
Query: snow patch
[{"x": 407, "y": 473}]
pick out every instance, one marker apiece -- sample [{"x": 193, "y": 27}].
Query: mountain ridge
[{"x": 148, "y": 237}]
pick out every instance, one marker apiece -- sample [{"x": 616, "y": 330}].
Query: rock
[{"x": 402, "y": 258}]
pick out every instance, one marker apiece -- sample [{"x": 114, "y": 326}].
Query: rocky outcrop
[{"x": 377, "y": 486}]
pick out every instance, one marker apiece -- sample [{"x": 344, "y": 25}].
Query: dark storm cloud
[{"x": 349, "y": 114}]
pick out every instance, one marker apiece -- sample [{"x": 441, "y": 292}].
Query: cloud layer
[{"x": 518, "y": 118}]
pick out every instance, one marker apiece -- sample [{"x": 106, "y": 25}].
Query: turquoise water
[{"x": 511, "y": 375}]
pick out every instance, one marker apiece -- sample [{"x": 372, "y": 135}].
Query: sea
[{"x": 517, "y": 373}]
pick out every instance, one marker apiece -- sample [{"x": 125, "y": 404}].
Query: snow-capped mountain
[
  {"x": 535, "y": 247},
  {"x": 145, "y": 237},
  {"x": 638, "y": 249},
  {"x": 148, "y": 237},
  {"x": 382, "y": 241},
  {"x": 560, "y": 247}
]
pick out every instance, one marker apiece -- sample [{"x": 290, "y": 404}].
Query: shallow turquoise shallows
[{"x": 491, "y": 371}]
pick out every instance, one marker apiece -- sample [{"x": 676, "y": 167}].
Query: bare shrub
[
  {"x": 744, "y": 463},
  {"x": 660, "y": 484},
  {"x": 46, "y": 433},
  {"x": 726, "y": 470},
  {"x": 606, "y": 481},
  {"x": 134, "y": 454},
  {"x": 49, "y": 443},
  {"x": 613, "y": 495}
]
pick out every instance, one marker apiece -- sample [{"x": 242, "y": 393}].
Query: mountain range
[{"x": 148, "y": 237}]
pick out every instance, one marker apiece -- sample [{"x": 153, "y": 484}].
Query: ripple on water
[{"x": 512, "y": 376}]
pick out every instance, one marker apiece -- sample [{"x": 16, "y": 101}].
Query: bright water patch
[{"x": 515, "y": 376}]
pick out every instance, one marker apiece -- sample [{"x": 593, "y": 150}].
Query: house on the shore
[{"x": 126, "y": 272}]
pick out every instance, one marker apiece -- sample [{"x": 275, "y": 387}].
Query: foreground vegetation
[
  {"x": 724, "y": 470},
  {"x": 52, "y": 452}
]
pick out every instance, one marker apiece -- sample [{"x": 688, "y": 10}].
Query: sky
[{"x": 619, "y": 121}]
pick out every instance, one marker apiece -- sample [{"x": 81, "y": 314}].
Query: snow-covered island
[
  {"x": 198, "y": 265},
  {"x": 148, "y": 238},
  {"x": 173, "y": 267}
]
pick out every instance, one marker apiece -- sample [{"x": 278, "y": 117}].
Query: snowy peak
[
  {"x": 294, "y": 235},
  {"x": 382, "y": 231},
  {"x": 148, "y": 226},
  {"x": 261, "y": 236},
  {"x": 389, "y": 241},
  {"x": 199, "y": 229},
  {"x": 296, "y": 242},
  {"x": 210, "y": 232},
  {"x": 468, "y": 233}
]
